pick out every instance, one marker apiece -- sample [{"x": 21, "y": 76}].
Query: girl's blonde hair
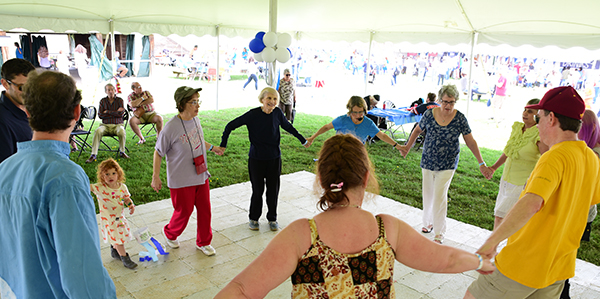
[{"x": 108, "y": 164}]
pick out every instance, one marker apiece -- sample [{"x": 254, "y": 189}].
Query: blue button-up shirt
[{"x": 49, "y": 240}]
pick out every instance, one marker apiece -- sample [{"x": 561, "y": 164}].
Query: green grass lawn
[{"x": 471, "y": 196}]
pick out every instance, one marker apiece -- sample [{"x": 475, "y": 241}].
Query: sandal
[
  {"x": 438, "y": 239},
  {"x": 427, "y": 229}
]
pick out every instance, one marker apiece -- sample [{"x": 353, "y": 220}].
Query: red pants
[{"x": 184, "y": 200}]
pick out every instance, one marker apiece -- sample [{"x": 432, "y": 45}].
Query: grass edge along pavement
[{"x": 471, "y": 196}]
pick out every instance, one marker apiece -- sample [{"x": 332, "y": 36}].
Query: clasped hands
[{"x": 487, "y": 171}]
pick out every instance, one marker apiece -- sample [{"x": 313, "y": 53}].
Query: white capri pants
[
  {"x": 435, "y": 198},
  {"x": 508, "y": 195}
]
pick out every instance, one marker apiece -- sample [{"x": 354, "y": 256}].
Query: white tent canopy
[{"x": 513, "y": 22}]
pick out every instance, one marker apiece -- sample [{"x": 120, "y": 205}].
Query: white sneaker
[
  {"x": 171, "y": 243},
  {"x": 207, "y": 250}
]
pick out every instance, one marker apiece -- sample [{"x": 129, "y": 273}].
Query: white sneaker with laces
[
  {"x": 171, "y": 243},
  {"x": 207, "y": 250}
]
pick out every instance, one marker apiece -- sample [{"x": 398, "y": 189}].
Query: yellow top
[
  {"x": 522, "y": 152},
  {"x": 545, "y": 249}
]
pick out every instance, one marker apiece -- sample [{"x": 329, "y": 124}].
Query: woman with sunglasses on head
[
  {"x": 355, "y": 123},
  {"x": 521, "y": 153},
  {"x": 441, "y": 151},
  {"x": 287, "y": 94}
]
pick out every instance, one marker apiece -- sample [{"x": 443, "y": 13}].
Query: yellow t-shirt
[
  {"x": 545, "y": 249},
  {"x": 522, "y": 152}
]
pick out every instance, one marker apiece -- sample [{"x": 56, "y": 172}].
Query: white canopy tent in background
[{"x": 454, "y": 22}]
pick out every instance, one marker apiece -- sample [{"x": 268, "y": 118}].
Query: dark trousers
[{"x": 264, "y": 172}]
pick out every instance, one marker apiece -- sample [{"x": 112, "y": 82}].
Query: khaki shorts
[
  {"x": 498, "y": 286},
  {"x": 147, "y": 117}
]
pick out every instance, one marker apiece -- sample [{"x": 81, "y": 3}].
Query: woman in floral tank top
[{"x": 345, "y": 251}]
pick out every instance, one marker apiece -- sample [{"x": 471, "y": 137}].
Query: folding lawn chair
[
  {"x": 80, "y": 130},
  {"x": 115, "y": 137}
]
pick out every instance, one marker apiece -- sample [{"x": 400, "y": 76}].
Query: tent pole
[
  {"x": 111, "y": 23},
  {"x": 368, "y": 60},
  {"x": 474, "y": 35},
  {"x": 218, "y": 31},
  {"x": 272, "y": 28}
]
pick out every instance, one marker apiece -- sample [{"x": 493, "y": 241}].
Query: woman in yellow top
[{"x": 521, "y": 153}]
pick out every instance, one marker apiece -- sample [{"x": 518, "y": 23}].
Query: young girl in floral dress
[{"x": 112, "y": 196}]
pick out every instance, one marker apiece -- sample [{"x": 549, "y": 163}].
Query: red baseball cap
[{"x": 563, "y": 100}]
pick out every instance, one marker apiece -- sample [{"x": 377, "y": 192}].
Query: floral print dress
[{"x": 323, "y": 272}]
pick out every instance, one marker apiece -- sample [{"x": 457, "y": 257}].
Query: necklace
[{"x": 348, "y": 206}]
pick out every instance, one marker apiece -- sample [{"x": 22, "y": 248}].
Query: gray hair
[{"x": 449, "y": 90}]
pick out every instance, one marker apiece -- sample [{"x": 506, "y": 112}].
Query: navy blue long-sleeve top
[{"x": 263, "y": 131}]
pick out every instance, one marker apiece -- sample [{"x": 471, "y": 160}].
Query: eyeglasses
[
  {"x": 357, "y": 112},
  {"x": 287, "y": 75},
  {"x": 451, "y": 103},
  {"x": 19, "y": 86},
  {"x": 195, "y": 102}
]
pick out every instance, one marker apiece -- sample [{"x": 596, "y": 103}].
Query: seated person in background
[
  {"x": 143, "y": 111},
  {"x": 43, "y": 58},
  {"x": 372, "y": 101},
  {"x": 111, "y": 113},
  {"x": 355, "y": 123},
  {"x": 121, "y": 69},
  {"x": 345, "y": 251},
  {"x": 431, "y": 103}
]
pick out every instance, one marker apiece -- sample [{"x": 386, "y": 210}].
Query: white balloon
[
  {"x": 284, "y": 40},
  {"x": 258, "y": 56},
  {"x": 268, "y": 54},
  {"x": 270, "y": 39},
  {"x": 283, "y": 55}
]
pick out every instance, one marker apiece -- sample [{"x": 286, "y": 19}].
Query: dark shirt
[
  {"x": 263, "y": 131},
  {"x": 14, "y": 127},
  {"x": 112, "y": 116},
  {"x": 424, "y": 107}
]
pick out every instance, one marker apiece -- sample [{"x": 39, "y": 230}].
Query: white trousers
[{"x": 435, "y": 198}]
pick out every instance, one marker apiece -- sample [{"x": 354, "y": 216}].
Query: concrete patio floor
[{"x": 188, "y": 273}]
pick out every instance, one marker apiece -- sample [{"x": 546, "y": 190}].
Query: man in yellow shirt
[{"x": 545, "y": 226}]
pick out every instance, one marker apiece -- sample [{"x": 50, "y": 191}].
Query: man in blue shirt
[
  {"x": 355, "y": 123},
  {"x": 49, "y": 242},
  {"x": 14, "y": 126}
]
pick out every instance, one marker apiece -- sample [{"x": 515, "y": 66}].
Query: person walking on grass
[
  {"x": 264, "y": 158},
  {"x": 545, "y": 226},
  {"x": 49, "y": 241},
  {"x": 113, "y": 195},
  {"x": 182, "y": 143},
  {"x": 520, "y": 154},
  {"x": 441, "y": 151}
]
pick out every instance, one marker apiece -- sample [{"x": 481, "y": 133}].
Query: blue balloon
[
  {"x": 256, "y": 45},
  {"x": 290, "y": 53},
  {"x": 260, "y": 35}
]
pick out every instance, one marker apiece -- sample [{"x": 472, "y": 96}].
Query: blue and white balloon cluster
[{"x": 271, "y": 46}]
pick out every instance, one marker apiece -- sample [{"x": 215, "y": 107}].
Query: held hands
[
  {"x": 487, "y": 268},
  {"x": 486, "y": 171},
  {"x": 404, "y": 150},
  {"x": 218, "y": 150}
]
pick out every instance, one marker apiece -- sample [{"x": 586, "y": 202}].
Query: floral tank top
[{"x": 323, "y": 272}]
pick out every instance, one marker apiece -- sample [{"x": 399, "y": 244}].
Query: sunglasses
[
  {"x": 19, "y": 86},
  {"x": 287, "y": 75}
]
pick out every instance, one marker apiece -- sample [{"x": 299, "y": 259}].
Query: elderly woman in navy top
[
  {"x": 355, "y": 123},
  {"x": 264, "y": 158},
  {"x": 440, "y": 157}
]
